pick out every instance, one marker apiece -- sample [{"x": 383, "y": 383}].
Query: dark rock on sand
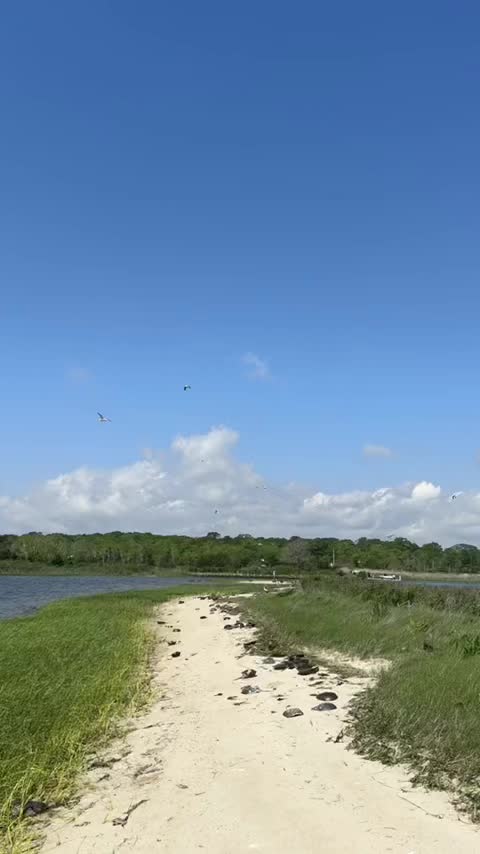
[
  {"x": 250, "y": 689},
  {"x": 176, "y": 654},
  {"x": 281, "y": 665},
  {"x": 177, "y": 630},
  {"x": 249, "y": 673},
  {"x": 324, "y": 707},
  {"x": 327, "y": 695},
  {"x": 269, "y": 660},
  {"x": 30, "y": 809},
  {"x": 307, "y": 670},
  {"x": 172, "y": 643},
  {"x": 292, "y": 713},
  {"x": 248, "y": 644},
  {"x": 228, "y": 627},
  {"x": 203, "y": 618}
]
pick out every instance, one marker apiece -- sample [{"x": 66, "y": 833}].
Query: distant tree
[
  {"x": 297, "y": 552},
  {"x": 213, "y": 535}
]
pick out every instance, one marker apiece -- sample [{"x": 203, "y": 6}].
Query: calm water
[{"x": 21, "y": 594}]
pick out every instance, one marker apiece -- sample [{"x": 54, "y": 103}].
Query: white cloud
[
  {"x": 259, "y": 369},
  {"x": 178, "y": 492},
  {"x": 376, "y": 451},
  {"x": 425, "y": 491}
]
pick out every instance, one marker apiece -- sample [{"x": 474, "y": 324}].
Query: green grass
[
  {"x": 425, "y": 708},
  {"x": 25, "y": 567},
  {"x": 68, "y": 676}
]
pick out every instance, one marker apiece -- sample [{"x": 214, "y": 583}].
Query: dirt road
[{"x": 202, "y": 772}]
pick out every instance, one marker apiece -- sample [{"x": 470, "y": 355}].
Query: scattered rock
[
  {"x": 202, "y": 598},
  {"x": 177, "y": 630},
  {"x": 228, "y": 626},
  {"x": 181, "y": 786},
  {"x": 176, "y": 654},
  {"x": 324, "y": 707},
  {"x": 327, "y": 695},
  {"x": 248, "y": 644},
  {"x": 281, "y": 665},
  {"x": 292, "y": 713},
  {"x": 203, "y": 618},
  {"x": 219, "y": 694},
  {"x": 251, "y": 625},
  {"x": 181, "y": 601},
  {"x": 161, "y": 623},
  {"x": 172, "y": 643},
  {"x": 249, "y": 673},
  {"x": 250, "y": 689},
  {"x": 30, "y": 809},
  {"x": 307, "y": 670},
  {"x": 269, "y": 660},
  {"x": 231, "y": 698}
]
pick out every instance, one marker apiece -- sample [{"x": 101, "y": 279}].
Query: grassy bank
[
  {"x": 25, "y": 567},
  {"x": 67, "y": 678},
  {"x": 424, "y": 709}
]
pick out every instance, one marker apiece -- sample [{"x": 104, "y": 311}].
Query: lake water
[{"x": 21, "y": 595}]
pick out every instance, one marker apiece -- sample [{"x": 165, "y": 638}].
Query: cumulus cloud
[
  {"x": 259, "y": 369},
  {"x": 178, "y": 491},
  {"x": 376, "y": 451}
]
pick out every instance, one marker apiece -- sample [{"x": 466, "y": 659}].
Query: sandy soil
[{"x": 202, "y": 772}]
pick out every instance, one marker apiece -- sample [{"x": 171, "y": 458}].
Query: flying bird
[
  {"x": 455, "y": 495},
  {"x": 102, "y": 418},
  {"x": 187, "y": 387}
]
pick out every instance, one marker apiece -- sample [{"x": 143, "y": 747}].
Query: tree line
[{"x": 143, "y": 551}]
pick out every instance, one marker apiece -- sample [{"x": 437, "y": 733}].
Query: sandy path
[{"x": 204, "y": 774}]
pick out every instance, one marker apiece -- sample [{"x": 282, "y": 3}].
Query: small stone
[
  {"x": 250, "y": 689},
  {"x": 269, "y": 660},
  {"x": 306, "y": 671},
  {"x": 292, "y": 713},
  {"x": 281, "y": 665},
  {"x": 228, "y": 626},
  {"x": 181, "y": 786},
  {"x": 249, "y": 673},
  {"x": 327, "y": 695},
  {"x": 324, "y": 707},
  {"x": 172, "y": 643},
  {"x": 30, "y": 809},
  {"x": 181, "y": 601},
  {"x": 203, "y": 618},
  {"x": 177, "y": 630},
  {"x": 160, "y": 622},
  {"x": 176, "y": 654},
  {"x": 219, "y": 694},
  {"x": 231, "y": 698}
]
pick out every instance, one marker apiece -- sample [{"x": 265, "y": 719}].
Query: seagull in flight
[
  {"x": 102, "y": 418},
  {"x": 187, "y": 387}
]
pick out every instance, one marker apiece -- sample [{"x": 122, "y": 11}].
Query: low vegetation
[
  {"x": 68, "y": 676},
  {"x": 423, "y": 710}
]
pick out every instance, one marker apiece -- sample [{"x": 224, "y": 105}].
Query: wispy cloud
[
  {"x": 259, "y": 369},
  {"x": 377, "y": 451},
  {"x": 79, "y": 375}
]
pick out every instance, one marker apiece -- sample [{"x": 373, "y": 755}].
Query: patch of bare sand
[{"x": 202, "y": 772}]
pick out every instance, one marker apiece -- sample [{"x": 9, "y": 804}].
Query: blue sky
[{"x": 185, "y": 183}]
